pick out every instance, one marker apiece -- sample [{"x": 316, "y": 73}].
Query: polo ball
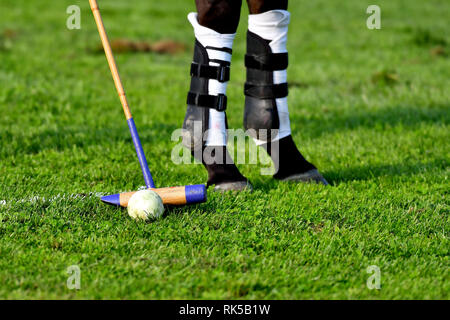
[{"x": 144, "y": 205}]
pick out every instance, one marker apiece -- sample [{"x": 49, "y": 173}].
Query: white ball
[{"x": 145, "y": 204}]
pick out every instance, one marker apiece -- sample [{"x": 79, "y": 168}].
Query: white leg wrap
[{"x": 217, "y": 134}]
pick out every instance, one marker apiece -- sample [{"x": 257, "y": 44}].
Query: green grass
[{"x": 369, "y": 107}]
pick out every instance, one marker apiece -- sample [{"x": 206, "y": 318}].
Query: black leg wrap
[
  {"x": 198, "y": 99},
  {"x": 260, "y": 91},
  {"x": 193, "y": 139}
]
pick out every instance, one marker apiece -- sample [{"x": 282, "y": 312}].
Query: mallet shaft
[{"x": 121, "y": 92}]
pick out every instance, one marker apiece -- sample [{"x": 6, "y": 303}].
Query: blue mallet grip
[{"x": 140, "y": 153}]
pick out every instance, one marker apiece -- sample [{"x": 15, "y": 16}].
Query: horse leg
[
  {"x": 221, "y": 16},
  {"x": 205, "y": 123},
  {"x": 266, "y": 115},
  {"x": 261, "y": 6}
]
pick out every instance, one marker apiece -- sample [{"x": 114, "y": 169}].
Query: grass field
[{"x": 369, "y": 107}]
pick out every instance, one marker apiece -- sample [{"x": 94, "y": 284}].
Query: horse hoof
[
  {"x": 233, "y": 186},
  {"x": 312, "y": 175}
]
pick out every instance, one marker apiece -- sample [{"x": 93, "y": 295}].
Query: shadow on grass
[
  {"x": 363, "y": 173},
  {"x": 84, "y": 136},
  {"x": 315, "y": 126},
  {"x": 358, "y": 173},
  {"x": 81, "y": 137},
  {"x": 380, "y": 118}
]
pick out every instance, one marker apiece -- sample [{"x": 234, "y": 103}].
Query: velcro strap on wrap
[
  {"x": 271, "y": 91},
  {"x": 268, "y": 62},
  {"x": 218, "y": 102},
  {"x": 219, "y": 73}
]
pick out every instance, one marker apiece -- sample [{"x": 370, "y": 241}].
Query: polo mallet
[{"x": 174, "y": 195}]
